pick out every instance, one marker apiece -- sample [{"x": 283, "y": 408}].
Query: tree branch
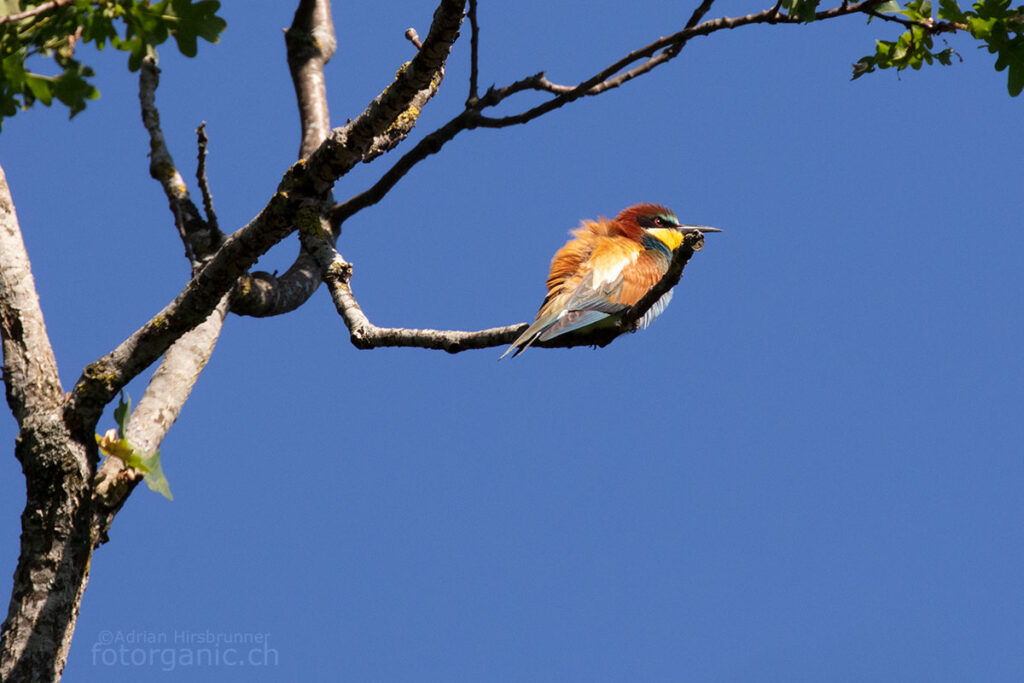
[
  {"x": 29, "y": 366},
  {"x": 204, "y": 185},
  {"x": 310, "y": 43},
  {"x": 52, "y": 568},
  {"x": 199, "y": 238},
  {"x": 337, "y": 273},
  {"x": 298, "y": 200},
  {"x": 474, "y": 50},
  {"x": 702, "y": 9},
  {"x": 930, "y": 26},
  {"x": 152, "y": 418},
  {"x": 264, "y": 294},
  {"x": 365, "y": 335},
  {"x": 654, "y": 54}
]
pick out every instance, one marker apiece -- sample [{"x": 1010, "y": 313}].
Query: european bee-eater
[{"x": 605, "y": 269}]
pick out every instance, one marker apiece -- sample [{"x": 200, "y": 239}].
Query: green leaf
[
  {"x": 980, "y": 28},
  {"x": 1015, "y": 79},
  {"x": 133, "y": 26},
  {"x": 99, "y": 29},
  {"x": 949, "y": 10},
  {"x": 888, "y": 6},
  {"x": 40, "y": 87},
  {"x": 147, "y": 463},
  {"x": 918, "y": 10},
  {"x": 155, "y": 479},
  {"x": 200, "y": 20},
  {"x": 121, "y": 413}
]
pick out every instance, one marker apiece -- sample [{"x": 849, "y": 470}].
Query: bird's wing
[
  {"x": 616, "y": 274},
  {"x": 605, "y": 292}
]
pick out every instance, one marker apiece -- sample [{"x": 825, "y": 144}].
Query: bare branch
[
  {"x": 366, "y": 335},
  {"x": 204, "y": 186},
  {"x": 196, "y": 234},
  {"x": 260, "y": 294},
  {"x": 699, "y": 13},
  {"x": 158, "y": 409},
  {"x": 350, "y": 144},
  {"x": 659, "y": 52},
  {"x": 653, "y": 54},
  {"x": 337, "y": 273},
  {"x": 431, "y": 144},
  {"x": 310, "y": 43},
  {"x": 474, "y": 49},
  {"x": 413, "y": 37},
  {"x": 264, "y": 294},
  {"x": 297, "y": 201},
  {"x": 29, "y": 366},
  {"x": 173, "y": 381}
]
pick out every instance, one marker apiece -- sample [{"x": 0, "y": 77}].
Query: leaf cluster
[
  {"x": 993, "y": 22},
  {"x": 35, "y": 33}
]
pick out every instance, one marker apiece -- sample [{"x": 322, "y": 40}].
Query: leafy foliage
[
  {"x": 114, "y": 443},
  {"x": 803, "y": 10},
  {"x": 30, "y": 29},
  {"x": 993, "y": 22}
]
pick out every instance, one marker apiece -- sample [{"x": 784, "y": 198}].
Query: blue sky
[{"x": 808, "y": 468}]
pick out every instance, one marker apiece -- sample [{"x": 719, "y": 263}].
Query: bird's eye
[{"x": 658, "y": 220}]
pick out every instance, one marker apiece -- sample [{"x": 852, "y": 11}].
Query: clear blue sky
[{"x": 809, "y": 468}]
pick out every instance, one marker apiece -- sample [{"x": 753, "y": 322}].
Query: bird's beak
[{"x": 697, "y": 228}]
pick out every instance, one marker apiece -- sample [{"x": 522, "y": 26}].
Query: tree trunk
[{"x": 57, "y": 539}]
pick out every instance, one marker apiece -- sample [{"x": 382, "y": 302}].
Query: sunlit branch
[
  {"x": 204, "y": 185},
  {"x": 310, "y": 43},
  {"x": 166, "y": 394},
  {"x": 337, "y": 273},
  {"x": 302, "y": 188},
  {"x": 196, "y": 234},
  {"x": 29, "y": 366}
]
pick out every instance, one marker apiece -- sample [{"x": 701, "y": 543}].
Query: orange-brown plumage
[{"x": 607, "y": 267}]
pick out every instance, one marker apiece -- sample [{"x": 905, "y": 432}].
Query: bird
[{"x": 606, "y": 268}]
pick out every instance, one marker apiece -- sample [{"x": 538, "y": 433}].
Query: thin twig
[
  {"x": 657, "y": 53},
  {"x": 413, "y": 37},
  {"x": 204, "y": 186},
  {"x": 699, "y": 13},
  {"x": 929, "y": 25},
  {"x": 654, "y": 55},
  {"x": 474, "y": 52},
  {"x": 337, "y": 273},
  {"x": 196, "y": 236}
]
